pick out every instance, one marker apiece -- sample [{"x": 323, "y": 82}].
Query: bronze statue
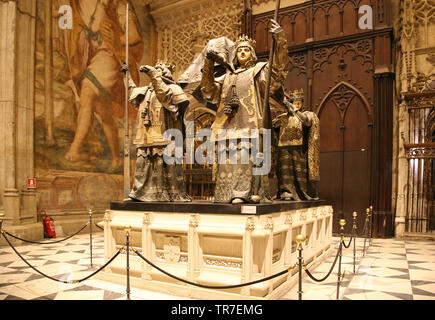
[
  {"x": 161, "y": 106},
  {"x": 238, "y": 96},
  {"x": 298, "y": 151}
]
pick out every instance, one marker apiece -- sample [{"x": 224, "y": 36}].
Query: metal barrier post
[
  {"x": 366, "y": 230},
  {"x": 300, "y": 239},
  {"x": 342, "y": 224},
  {"x": 127, "y": 234},
  {"x": 354, "y": 239},
  {"x": 2, "y": 216},
  {"x": 90, "y": 233},
  {"x": 371, "y": 223}
]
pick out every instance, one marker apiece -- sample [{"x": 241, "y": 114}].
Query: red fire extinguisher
[{"x": 48, "y": 224}]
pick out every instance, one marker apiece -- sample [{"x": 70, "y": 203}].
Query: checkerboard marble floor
[{"x": 390, "y": 270}]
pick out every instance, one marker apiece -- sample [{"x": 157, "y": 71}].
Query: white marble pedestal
[{"x": 214, "y": 244}]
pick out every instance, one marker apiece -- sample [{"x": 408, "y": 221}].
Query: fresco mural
[{"x": 87, "y": 113}]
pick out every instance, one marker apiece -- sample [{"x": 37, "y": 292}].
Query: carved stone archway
[{"x": 342, "y": 95}]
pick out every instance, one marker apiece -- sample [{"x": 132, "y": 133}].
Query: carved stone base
[{"x": 215, "y": 249}]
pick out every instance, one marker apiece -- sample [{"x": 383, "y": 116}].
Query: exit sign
[{"x": 31, "y": 183}]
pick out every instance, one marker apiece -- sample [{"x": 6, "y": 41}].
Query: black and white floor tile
[{"x": 390, "y": 270}]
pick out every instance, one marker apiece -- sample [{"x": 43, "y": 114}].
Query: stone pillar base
[
  {"x": 11, "y": 205},
  {"x": 32, "y": 232},
  {"x": 399, "y": 229}
]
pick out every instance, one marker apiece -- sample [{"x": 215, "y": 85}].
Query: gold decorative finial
[
  {"x": 127, "y": 228},
  {"x": 2, "y": 215},
  {"x": 342, "y": 222},
  {"x": 371, "y": 207},
  {"x": 90, "y": 212},
  {"x": 367, "y": 210},
  {"x": 244, "y": 40},
  {"x": 354, "y": 214},
  {"x": 300, "y": 239}
]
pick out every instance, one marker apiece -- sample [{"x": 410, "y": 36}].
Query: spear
[
  {"x": 266, "y": 107},
  {"x": 127, "y": 135}
]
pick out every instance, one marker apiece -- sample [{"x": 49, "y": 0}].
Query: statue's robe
[
  {"x": 237, "y": 180},
  {"x": 298, "y": 157},
  {"x": 155, "y": 180}
]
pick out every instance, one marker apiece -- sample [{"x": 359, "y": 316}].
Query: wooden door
[{"x": 345, "y": 153}]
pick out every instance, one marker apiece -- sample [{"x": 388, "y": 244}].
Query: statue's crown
[
  {"x": 297, "y": 94},
  {"x": 245, "y": 40},
  {"x": 165, "y": 64}
]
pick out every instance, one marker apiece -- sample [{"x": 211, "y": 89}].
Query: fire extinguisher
[{"x": 48, "y": 224}]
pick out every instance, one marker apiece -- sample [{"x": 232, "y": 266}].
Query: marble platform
[{"x": 216, "y": 245}]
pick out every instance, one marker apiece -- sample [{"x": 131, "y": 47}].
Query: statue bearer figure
[
  {"x": 238, "y": 95},
  {"x": 161, "y": 105},
  {"x": 298, "y": 151}
]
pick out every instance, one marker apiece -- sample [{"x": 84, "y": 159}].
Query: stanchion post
[
  {"x": 340, "y": 248},
  {"x": 90, "y": 233},
  {"x": 371, "y": 225},
  {"x": 127, "y": 235},
  {"x": 366, "y": 231},
  {"x": 300, "y": 239},
  {"x": 354, "y": 239},
  {"x": 2, "y": 216}
]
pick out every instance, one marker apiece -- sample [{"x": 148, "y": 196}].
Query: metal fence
[{"x": 420, "y": 152}]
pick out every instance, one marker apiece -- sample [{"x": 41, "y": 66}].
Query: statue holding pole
[
  {"x": 161, "y": 106},
  {"x": 240, "y": 96},
  {"x": 298, "y": 151}
]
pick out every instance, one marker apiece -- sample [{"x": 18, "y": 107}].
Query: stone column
[
  {"x": 146, "y": 246},
  {"x": 402, "y": 172},
  {"x": 193, "y": 247},
  {"x": 8, "y": 110},
  {"x": 25, "y": 82},
  {"x": 17, "y": 63},
  {"x": 247, "y": 255},
  {"x": 268, "y": 257},
  {"x": 109, "y": 241},
  {"x": 288, "y": 241}
]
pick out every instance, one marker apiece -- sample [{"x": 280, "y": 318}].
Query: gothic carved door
[{"x": 345, "y": 152}]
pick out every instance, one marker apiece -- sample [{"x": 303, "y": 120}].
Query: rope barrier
[
  {"x": 330, "y": 271},
  {"x": 350, "y": 241},
  {"x": 52, "y": 242},
  {"x": 58, "y": 280},
  {"x": 99, "y": 226},
  {"x": 300, "y": 239},
  {"x": 212, "y": 287}
]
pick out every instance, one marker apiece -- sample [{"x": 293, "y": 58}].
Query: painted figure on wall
[
  {"x": 96, "y": 52},
  {"x": 298, "y": 151},
  {"x": 238, "y": 95},
  {"x": 161, "y": 107}
]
